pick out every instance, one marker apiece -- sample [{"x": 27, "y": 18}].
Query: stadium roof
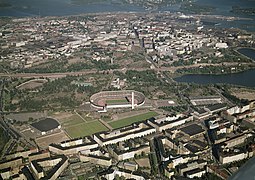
[{"x": 45, "y": 124}]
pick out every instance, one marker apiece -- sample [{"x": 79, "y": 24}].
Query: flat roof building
[
  {"x": 168, "y": 123},
  {"x": 73, "y": 146},
  {"x": 206, "y": 100},
  {"x": 193, "y": 130},
  {"x": 98, "y": 160},
  {"x": 129, "y": 132},
  {"x": 57, "y": 164}
]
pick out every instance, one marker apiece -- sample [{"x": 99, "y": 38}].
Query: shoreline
[
  {"x": 206, "y": 82},
  {"x": 236, "y": 50},
  {"x": 217, "y": 74},
  {"x": 158, "y": 11},
  {"x": 76, "y": 15}
]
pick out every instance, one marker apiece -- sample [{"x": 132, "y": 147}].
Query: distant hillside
[
  {"x": 4, "y": 3},
  {"x": 240, "y": 10},
  {"x": 143, "y": 3}
]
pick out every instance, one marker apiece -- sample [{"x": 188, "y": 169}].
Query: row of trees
[
  {"x": 63, "y": 66},
  {"x": 175, "y": 109},
  {"x": 4, "y": 138},
  {"x": 215, "y": 69},
  {"x": 29, "y": 104}
]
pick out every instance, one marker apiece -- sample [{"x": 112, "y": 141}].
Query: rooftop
[
  {"x": 46, "y": 124},
  {"x": 192, "y": 129}
]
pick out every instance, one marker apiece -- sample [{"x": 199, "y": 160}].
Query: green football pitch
[{"x": 132, "y": 119}]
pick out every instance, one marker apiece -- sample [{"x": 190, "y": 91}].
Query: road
[
  {"x": 61, "y": 75},
  {"x": 93, "y": 71},
  {"x": 1, "y": 96}
]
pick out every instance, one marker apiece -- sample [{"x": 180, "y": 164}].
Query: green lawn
[
  {"x": 74, "y": 119},
  {"x": 115, "y": 101},
  {"x": 87, "y": 118},
  {"x": 85, "y": 129},
  {"x": 133, "y": 119}
]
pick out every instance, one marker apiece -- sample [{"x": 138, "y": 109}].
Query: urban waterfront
[
  {"x": 245, "y": 78},
  {"x": 92, "y": 96},
  {"x": 33, "y": 8}
]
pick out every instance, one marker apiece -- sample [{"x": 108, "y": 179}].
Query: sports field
[
  {"x": 132, "y": 119},
  {"x": 116, "y": 101},
  {"x": 85, "y": 129},
  {"x": 74, "y": 119}
]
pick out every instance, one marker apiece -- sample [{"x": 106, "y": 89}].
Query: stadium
[
  {"x": 46, "y": 126},
  {"x": 117, "y": 99}
]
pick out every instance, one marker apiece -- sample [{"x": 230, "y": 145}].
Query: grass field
[
  {"x": 133, "y": 119},
  {"x": 85, "y": 129},
  {"x": 115, "y": 101},
  {"x": 86, "y": 117},
  {"x": 74, "y": 119}
]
